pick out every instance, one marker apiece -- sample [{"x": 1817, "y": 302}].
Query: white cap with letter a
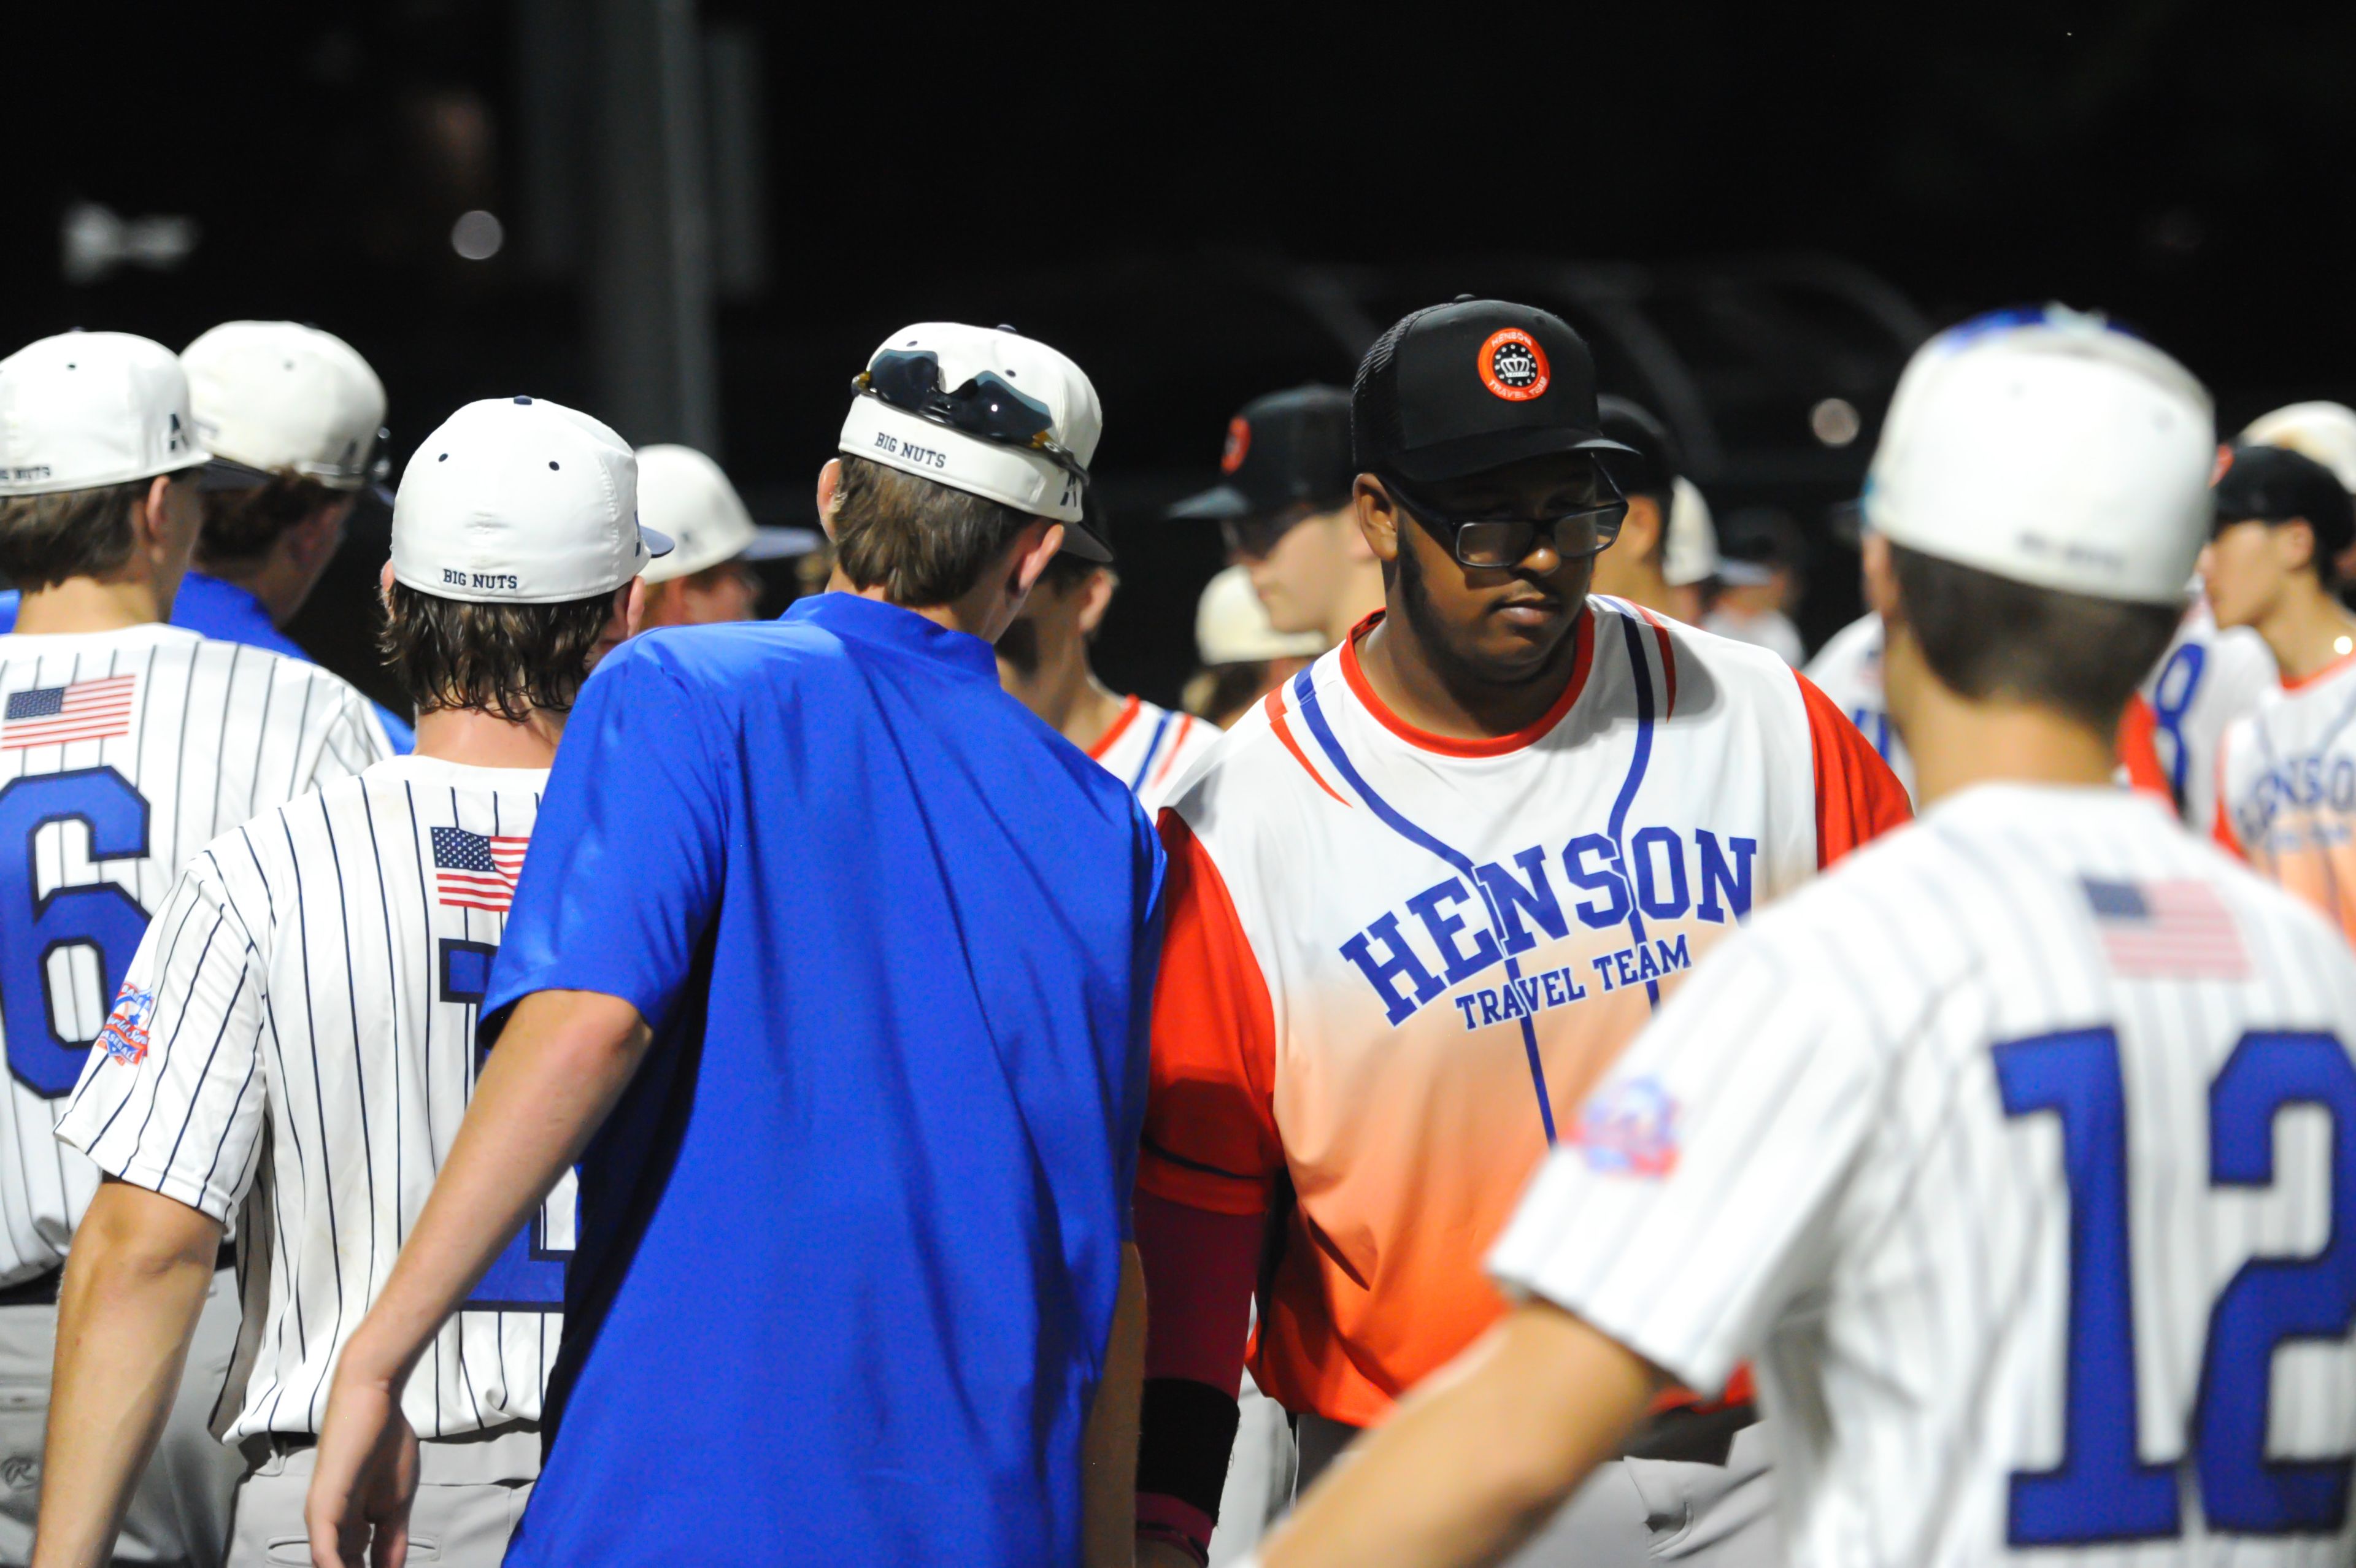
[
  {"x": 519, "y": 501},
  {"x": 85, "y": 410},
  {"x": 2051, "y": 448}
]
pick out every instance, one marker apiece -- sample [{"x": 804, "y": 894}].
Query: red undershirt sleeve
[{"x": 1857, "y": 797}]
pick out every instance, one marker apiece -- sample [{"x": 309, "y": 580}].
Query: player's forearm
[
  {"x": 563, "y": 1060},
  {"x": 1479, "y": 1457},
  {"x": 134, "y": 1287},
  {"x": 1108, "y": 1451}
]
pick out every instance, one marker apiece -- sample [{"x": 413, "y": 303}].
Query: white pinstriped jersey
[
  {"x": 1849, "y": 671},
  {"x": 2207, "y": 679},
  {"x": 121, "y": 753},
  {"x": 1992, "y": 1151},
  {"x": 300, "y": 1025},
  {"x": 1150, "y": 749}
]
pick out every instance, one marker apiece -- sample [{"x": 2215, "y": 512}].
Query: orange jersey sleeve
[
  {"x": 1857, "y": 797},
  {"x": 1210, "y": 1121},
  {"x": 2139, "y": 750}
]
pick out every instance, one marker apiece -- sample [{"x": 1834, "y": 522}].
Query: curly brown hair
[
  {"x": 44, "y": 539},
  {"x": 242, "y": 525}
]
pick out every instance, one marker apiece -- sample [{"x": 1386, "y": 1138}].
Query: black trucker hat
[
  {"x": 1460, "y": 389},
  {"x": 1283, "y": 449},
  {"x": 2275, "y": 484},
  {"x": 1651, "y": 465}
]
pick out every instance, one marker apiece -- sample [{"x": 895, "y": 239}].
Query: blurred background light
[{"x": 478, "y": 235}]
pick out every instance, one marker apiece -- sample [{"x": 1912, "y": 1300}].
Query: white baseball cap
[
  {"x": 960, "y": 376},
  {"x": 1231, "y": 625},
  {"x": 87, "y": 408},
  {"x": 1689, "y": 549},
  {"x": 2049, "y": 448},
  {"x": 519, "y": 501},
  {"x": 273, "y": 396},
  {"x": 2324, "y": 432},
  {"x": 685, "y": 495}
]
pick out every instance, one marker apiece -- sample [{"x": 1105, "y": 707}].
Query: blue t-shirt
[
  {"x": 227, "y": 614},
  {"x": 849, "y": 1241}
]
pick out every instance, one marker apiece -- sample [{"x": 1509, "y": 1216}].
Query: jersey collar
[
  {"x": 873, "y": 621},
  {"x": 1449, "y": 745},
  {"x": 1114, "y": 731},
  {"x": 2316, "y": 678}
]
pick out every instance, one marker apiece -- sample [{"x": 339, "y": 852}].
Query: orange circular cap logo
[
  {"x": 1231, "y": 456},
  {"x": 1512, "y": 365}
]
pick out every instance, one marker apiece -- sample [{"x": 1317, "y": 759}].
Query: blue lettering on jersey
[
  {"x": 1665, "y": 878},
  {"x": 2307, "y": 781}
]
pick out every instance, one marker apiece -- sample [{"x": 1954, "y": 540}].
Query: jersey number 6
[
  {"x": 33, "y": 926},
  {"x": 2104, "y": 1489}
]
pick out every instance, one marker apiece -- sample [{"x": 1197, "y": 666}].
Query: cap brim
[
  {"x": 1219, "y": 503},
  {"x": 658, "y": 543},
  {"x": 1496, "y": 449},
  {"x": 1744, "y": 573},
  {"x": 780, "y": 544},
  {"x": 1087, "y": 546}
]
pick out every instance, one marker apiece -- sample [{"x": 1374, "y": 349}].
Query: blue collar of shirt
[
  {"x": 229, "y": 614},
  {"x": 873, "y": 621}
]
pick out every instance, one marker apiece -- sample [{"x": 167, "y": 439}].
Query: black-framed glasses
[
  {"x": 988, "y": 406},
  {"x": 1492, "y": 544}
]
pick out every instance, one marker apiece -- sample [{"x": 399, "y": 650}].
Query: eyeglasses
[
  {"x": 1490, "y": 544},
  {"x": 988, "y": 406}
]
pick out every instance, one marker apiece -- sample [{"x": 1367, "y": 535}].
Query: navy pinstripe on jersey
[
  {"x": 305, "y": 1034},
  {"x": 2027, "y": 1221},
  {"x": 123, "y": 752}
]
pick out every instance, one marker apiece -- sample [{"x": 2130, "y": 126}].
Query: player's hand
[{"x": 366, "y": 1478}]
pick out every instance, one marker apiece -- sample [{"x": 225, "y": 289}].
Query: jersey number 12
[{"x": 2104, "y": 1489}]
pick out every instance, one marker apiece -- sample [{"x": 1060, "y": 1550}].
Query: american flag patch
[
  {"x": 55, "y": 715},
  {"x": 2168, "y": 931},
  {"x": 477, "y": 870}
]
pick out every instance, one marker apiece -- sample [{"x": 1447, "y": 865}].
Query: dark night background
[{"x": 1159, "y": 191}]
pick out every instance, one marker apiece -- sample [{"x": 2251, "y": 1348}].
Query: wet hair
[
  {"x": 1987, "y": 637},
  {"x": 501, "y": 659},
  {"x": 242, "y": 525},
  {"x": 45, "y": 539},
  {"x": 921, "y": 541}
]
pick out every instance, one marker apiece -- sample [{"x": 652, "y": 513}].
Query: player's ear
[
  {"x": 1640, "y": 535},
  {"x": 2295, "y": 545},
  {"x": 630, "y": 603},
  {"x": 830, "y": 481},
  {"x": 1377, "y": 516},
  {"x": 1096, "y": 598},
  {"x": 1880, "y": 577},
  {"x": 384, "y": 582},
  {"x": 1039, "y": 542}
]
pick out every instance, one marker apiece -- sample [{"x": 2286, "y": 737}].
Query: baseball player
[
  {"x": 1240, "y": 656},
  {"x": 2016, "y": 1152},
  {"x": 708, "y": 576},
  {"x": 1848, "y": 670},
  {"x": 1419, "y": 900},
  {"x": 1043, "y": 660},
  {"x": 1647, "y": 476},
  {"x": 816, "y": 911},
  {"x": 1283, "y": 504},
  {"x": 125, "y": 745},
  {"x": 2287, "y": 774},
  {"x": 297, "y": 1029},
  {"x": 293, "y": 416}
]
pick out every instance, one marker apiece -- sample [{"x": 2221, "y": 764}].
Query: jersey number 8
[{"x": 2104, "y": 1489}]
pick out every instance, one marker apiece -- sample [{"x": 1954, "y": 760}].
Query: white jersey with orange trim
[
  {"x": 1849, "y": 671},
  {"x": 121, "y": 754},
  {"x": 2287, "y": 790},
  {"x": 2207, "y": 679},
  {"x": 1150, "y": 749},
  {"x": 298, "y": 1029},
  {"x": 1394, "y": 962},
  {"x": 2016, "y": 1157}
]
